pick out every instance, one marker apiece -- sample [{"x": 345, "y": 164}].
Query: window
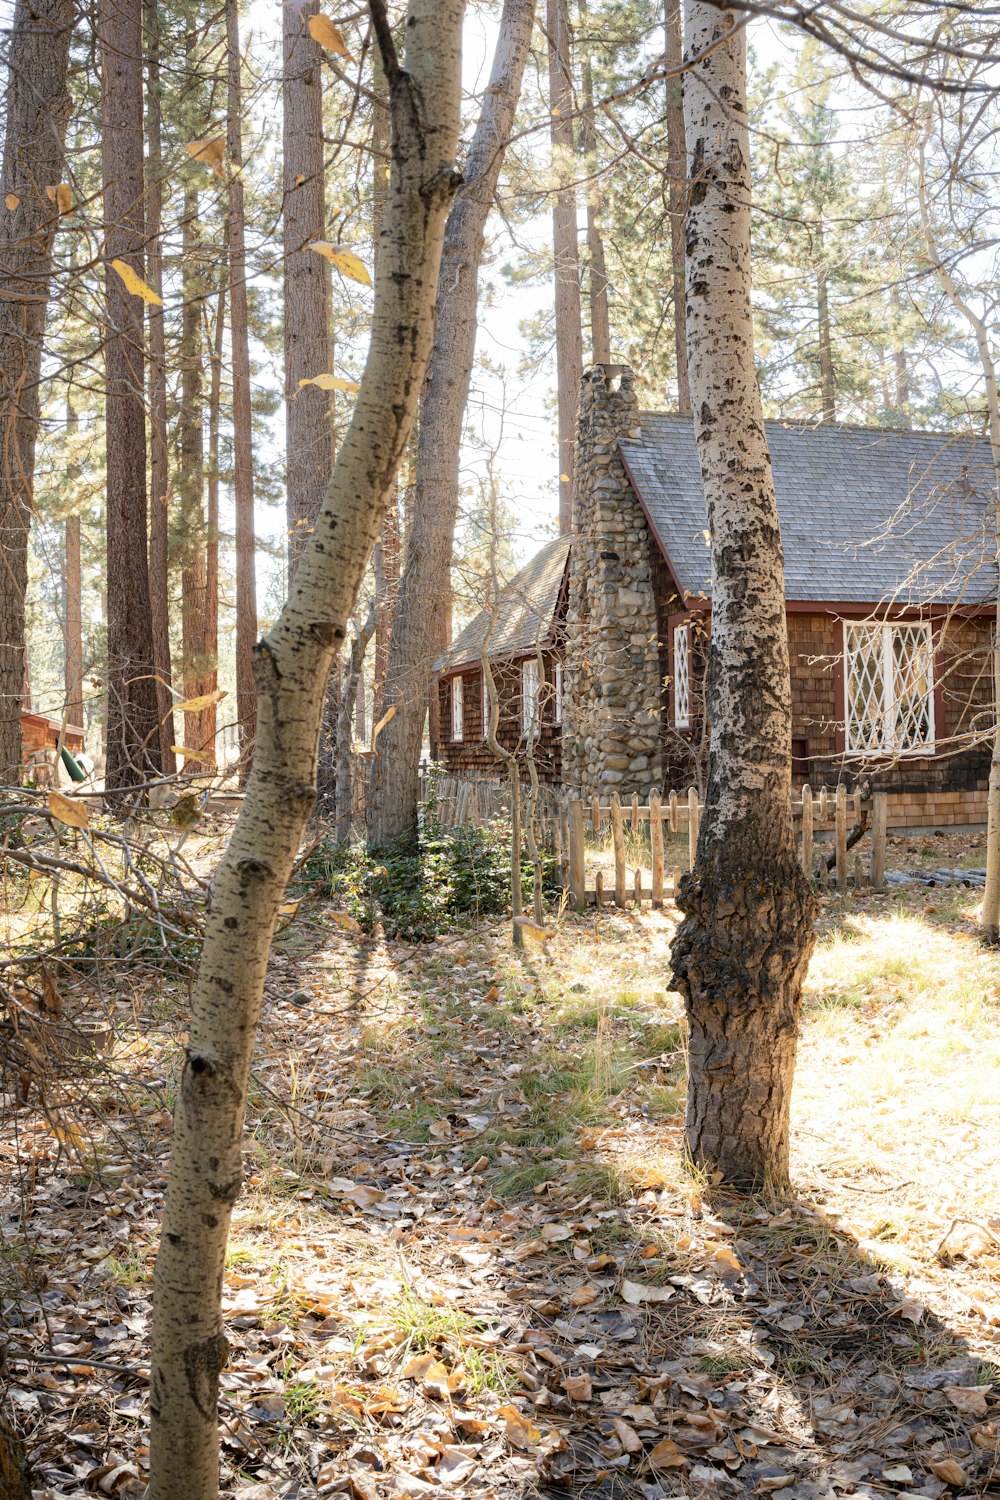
[
  {"x": 457, "y": 708},
  {"x": 889, "y": 678},
  {"x": 682, "y": 677},
  {"x": 529, "y": 699},
  {"x": 486, "y": 705},
  {"x": 557, "y": 702}
]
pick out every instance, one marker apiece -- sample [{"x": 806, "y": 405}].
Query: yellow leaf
[
  {"x": 518, "y": 1430},
  {"x": 135, "y": 284},
  {"x": 195, "y": 705},
  {"x": 564, "y": 479},
  {"x": 191, "y": 754},
  {"x": 725, "y": 1258},
  {"x": 211, "y": 152},
  {"x": 344, "y": 259},
  {"x": 12, "y": 201},
  {"x": 532, "y": 929},
  {"x": 666, "y": 1455},
  {"x": 330, "y": 383},
  {"x": 288, "y": 909},
  {"x": 341, "y": 919},
  {"x": 323, "y": 31},
  {"x": 949, "y": 1470},
  {"x": 65, "y": 810},
  {"x": 383, "y": 722},
  {"x": 64, "y": 197}
]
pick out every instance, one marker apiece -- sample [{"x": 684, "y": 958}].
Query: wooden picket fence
[{"x": 564, "y": 822}]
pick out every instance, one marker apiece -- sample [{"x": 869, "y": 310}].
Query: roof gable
[
  {"x": 867, "y": 514},
  {"x": 525, "y": 611}
]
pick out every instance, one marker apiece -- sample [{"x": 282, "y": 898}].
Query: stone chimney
[{"x": 611, "y": 691}]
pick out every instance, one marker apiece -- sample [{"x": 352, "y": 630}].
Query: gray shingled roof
[
  {"x": 867, "y": 514},
  {"x": 527, "y": 606}
]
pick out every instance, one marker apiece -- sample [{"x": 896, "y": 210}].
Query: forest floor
[{"x": 469, "y": 1261}]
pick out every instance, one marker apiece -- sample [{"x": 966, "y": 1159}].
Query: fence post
[
  {"x": 656, "y": 845},
  {"x": 672, "y": 804},
  {"x": 619, "y": 843},
  {"x": 693, "y": 819},
  {"x": 807, "y": 830},
  {"x": 598, "y": 890},
  {"x": 841, "y": 837},
  {"x": 576, "y": 853},
  {"x": 880, "y": 822},
  {"x": 677, "y": 880},
  {"x": 637, "y": 889},
  {"x": 635, "y": 812}
]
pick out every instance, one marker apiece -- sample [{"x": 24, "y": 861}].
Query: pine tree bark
[
  {"x": 159, "y": 459},
  {"x": 307, "y": 412},
  {"x": 292, "y": 663},
  {"x": 38, "y": 106},
  {"x": 677, "y": 189},
  {"x": 74, "y": 622},
  {"x": 597, "y": 277},
  {"x": 132, "y": 734},
  {"x": 741, "y": 952},
  {"x": 425, "y": 587},
  {"x": 215, "y": 336},
  {"x": 565, "y": 249},
  {"x": 239, "y": 325},
  {"x": 199, "y": 724}
]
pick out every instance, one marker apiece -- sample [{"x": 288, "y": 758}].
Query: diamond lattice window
[
  {"x": 890, "y": 689},
  {"x": 682, "y": 677},
  {"x": 457, "y": 708},
  {"x": 529, "y": 699}
]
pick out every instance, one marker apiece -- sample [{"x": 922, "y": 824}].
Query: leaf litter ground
[{"x": 468, "y": 1260}]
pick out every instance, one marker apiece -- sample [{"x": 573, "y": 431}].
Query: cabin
[
  {"x": 599, "y": 646},
  {"x": 40, "y": 741}
]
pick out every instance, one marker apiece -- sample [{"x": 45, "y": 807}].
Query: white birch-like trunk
[
  {"x": 292, "y": 666},
  {"x": 741, "y": 952}
]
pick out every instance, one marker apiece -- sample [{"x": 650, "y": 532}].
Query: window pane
[
  {"x": 529, "y": 697},
  {"x": 457, "y": 708},
  {"x": 912, "y": 687},
  {"x": 682, "y": 677},
  {"x": 865, "y": 708}
]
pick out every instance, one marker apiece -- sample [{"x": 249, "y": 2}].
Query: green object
[{"x": 73, "y": 766}]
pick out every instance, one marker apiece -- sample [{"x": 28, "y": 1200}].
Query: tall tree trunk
[
  {"x": 159, "y": 461},
  {"x": 677, "y": 189},
  {"x": 565, "y": 249},
  {"x": 741, "y": 952},
  {"x": 33, "y": 153},
  {"x": 307, "y": 413},
  {"x": 74, "y": 622},
  {"x": 216, "y": 342},
  {"x": 827, "y": 377},
  {"x": 188, "y": 1344},
  {"x": 132, "y": 727},
  {"x": 191, "y": 493},
  {"x": 387, "y": 564},
  {"x": 239, "y": 326},
  {"x": 600, "y": 324},
  {"x": 425, "y": 587}
]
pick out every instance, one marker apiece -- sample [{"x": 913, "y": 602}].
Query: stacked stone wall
[{"x": 611, "y": 729}]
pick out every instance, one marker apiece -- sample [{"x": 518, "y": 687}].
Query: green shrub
[{"x": 451, "y": 877}]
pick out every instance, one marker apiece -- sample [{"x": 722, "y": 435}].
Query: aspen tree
[
  {"x": 292, "y": 666},
  {"x": 741, "y": 952}
]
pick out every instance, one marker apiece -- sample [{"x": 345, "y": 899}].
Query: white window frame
[
  {"x": 682, "y": 676},
  {"x": 529, "y": 698},
  {"x": 457, "y": 709},
  {"x": 557, "y": 702},
  {"x": 869, "y": 640}
]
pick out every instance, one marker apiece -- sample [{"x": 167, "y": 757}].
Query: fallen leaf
[
  {"x": 949, "y": 1470},
  {"x": 330, "y": 383},
  {"x": 728, "y": 1260},
  {"x": 553, "y": 1233},
  {"x": 12, "y": 201},
  {"x": 431, "y": 1374},
  {"x": 323, "y": 31},
  {"x": 582, "y": 1296},
  {"x": 66, "y": 810},
  {"x": 455, "y": 1465},
  {"x": 578, "y": 1387},
  {"x": 344, "y": 259},
  {"x": 968, "y": 1398},
  {"x": 518, "y": 1430},
  {"x": 635, "y": 1293},
  {"x": 135, "y": 284},
  {"x": 912, "y": 1311},
  {"x": 363, "y": 1196},
  {"x": 341, "y": 919},
  {"x": 898, "y": 1474},
  {"x": 627, "y": 1436},
  {"x": 666, "y": 1455},
  {"x": 212, "y": 153},
  {"x": 440, "y": 1129}
]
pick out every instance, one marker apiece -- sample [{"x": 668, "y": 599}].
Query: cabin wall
[
  {"x": 471, "y": 756},
  {"x": 941, "y": 790}
]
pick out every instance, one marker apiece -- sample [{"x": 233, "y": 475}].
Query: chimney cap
[{"x": 607, "y": 373}]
